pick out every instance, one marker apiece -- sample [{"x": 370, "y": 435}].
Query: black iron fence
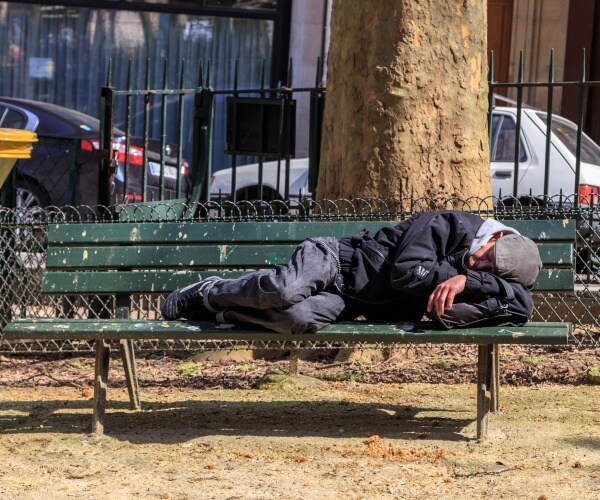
[
  {"x": 212, "y": 130},
  {"x": 263, "y": 144}
]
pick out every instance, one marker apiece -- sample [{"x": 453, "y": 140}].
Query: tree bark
[{"x": 406, "y": 106}]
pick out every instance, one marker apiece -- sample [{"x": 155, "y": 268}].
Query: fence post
[
  {"x": 580, "y": 112},
  {"x": 518, "y": 126},
  {"x": 105, "y": 171},
  {"x": 549, "y": 127},
  {"x": 317, "y": 107},
  {"x": 201, "y": 158}
]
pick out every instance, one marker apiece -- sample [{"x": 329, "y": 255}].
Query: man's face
[{"x": 484, "y": 259}]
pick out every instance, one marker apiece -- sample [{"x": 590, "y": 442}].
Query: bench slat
[
  {"x": 560, "y": 280},
  {"x": 539, "y": 230},
  {"x": 169, "y": 256},
  {"x": 46, "y": 329},
  {"x": 206, "y": 232},
  {"x": 103, "y": 257}
]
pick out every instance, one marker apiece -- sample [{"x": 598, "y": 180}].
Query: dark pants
[{"x": 294, "y": 298}]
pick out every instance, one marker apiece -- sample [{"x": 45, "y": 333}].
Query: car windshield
[{"x": 566, "y": 132}]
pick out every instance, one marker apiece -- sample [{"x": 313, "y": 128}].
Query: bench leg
[
  {"x": 484, "y": 381},
  {"x": 128, "y": 356},
  {"x": 100, "y": 385},
  {"x": 495, "y": 379},
  {"x": 294, "y": 357}
]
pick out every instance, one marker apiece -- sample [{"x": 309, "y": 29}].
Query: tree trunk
[{"x": 406, "y": 107}]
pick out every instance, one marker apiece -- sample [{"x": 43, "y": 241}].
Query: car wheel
[
  {"x": 30, "y": 195},
  {"x": 30, "y": 201}
]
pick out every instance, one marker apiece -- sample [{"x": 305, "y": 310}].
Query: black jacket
[{"x": 409, "y": 260}]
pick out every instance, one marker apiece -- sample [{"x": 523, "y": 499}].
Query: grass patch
[
  {"x": 247, "y": 368},
  {"x": 534, "y": 360},
  {"x": 78, "y": 365},
  {"x": 448, "y": 363},
  {"x": 276, "y": 380},
  {"x": 189, "y": 368}
]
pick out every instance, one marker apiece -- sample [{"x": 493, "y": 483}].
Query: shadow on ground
[{"x": 175, "y": 422}]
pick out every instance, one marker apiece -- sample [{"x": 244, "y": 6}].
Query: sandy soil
[{"x": 211, "y": 431}]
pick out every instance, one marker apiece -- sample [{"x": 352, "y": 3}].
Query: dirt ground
[{"x": 216, "y": 429}]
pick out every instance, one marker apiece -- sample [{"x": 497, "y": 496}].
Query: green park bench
[{"x": 129, "y": 258}]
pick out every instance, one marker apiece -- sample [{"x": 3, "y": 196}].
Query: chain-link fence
[{"x": 23, "y": 238}]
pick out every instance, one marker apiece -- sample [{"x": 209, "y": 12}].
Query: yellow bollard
[{"x": 14, "y": 144}]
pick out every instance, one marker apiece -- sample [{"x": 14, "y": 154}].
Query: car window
[
  {"x": 566, "y": 132},
  {"x": 2, "y": 111},
  {"x": 14, "y": 119},
  {"x": 51, "y": 124},
  {"x": 504, "y": 132}
]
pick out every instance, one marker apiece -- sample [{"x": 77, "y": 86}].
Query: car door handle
[{"x": 503, "y": 174}]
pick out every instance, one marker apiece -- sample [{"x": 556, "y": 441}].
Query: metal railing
[
  {"x": 228, "y": 128},
  {"x": 213, "y": 129}
]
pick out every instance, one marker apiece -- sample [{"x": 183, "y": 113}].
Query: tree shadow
[
  {"x": 176, "y": 422},
  {"x": 592, "y": 443}
]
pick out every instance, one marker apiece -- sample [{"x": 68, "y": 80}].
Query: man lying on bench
[{"x": 454, "y": 266}]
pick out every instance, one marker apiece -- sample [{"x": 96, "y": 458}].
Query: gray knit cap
[{"x": 517, "y": 259}]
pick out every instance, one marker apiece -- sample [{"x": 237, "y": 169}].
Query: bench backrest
[{"x": 158, "y": 257}]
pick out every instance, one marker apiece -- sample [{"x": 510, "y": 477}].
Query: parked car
[
  {"x": 531, "y": 163},
  {"x": 563, "y": 153},
  {"x": 47, "y": 179},
  {"x": 246, "y": 181}
]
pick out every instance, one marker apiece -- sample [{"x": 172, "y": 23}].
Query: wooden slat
[
  {"x": 556, "y": 254},
  {"x": 225, "y": 255},
  {"x": 43, "y": 329},
  {"x": 205, "y": 232},
  {"x": 540, "y": 230},
  {"x": 560, "y": 280},
  {"x": 125, "y": 282},
  {"x": 201, "y": 232},
  {"x": 170, "y": 210},
  {"x": 555, "y": 280},
  {"x": 169, "y": 256}
]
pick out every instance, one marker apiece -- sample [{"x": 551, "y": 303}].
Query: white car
[
  {"x": 563, "y": 147},
  {"x": 246, "y": 181},
  {"x": 531, "y": 163}
]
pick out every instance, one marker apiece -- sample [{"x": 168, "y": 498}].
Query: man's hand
[{"x": 442, "y": 297}]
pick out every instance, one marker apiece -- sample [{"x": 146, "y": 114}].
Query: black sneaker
[{"x": 188, "y": 302}]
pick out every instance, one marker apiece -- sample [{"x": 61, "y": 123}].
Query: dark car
[{"x": 63, "y": 168}]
